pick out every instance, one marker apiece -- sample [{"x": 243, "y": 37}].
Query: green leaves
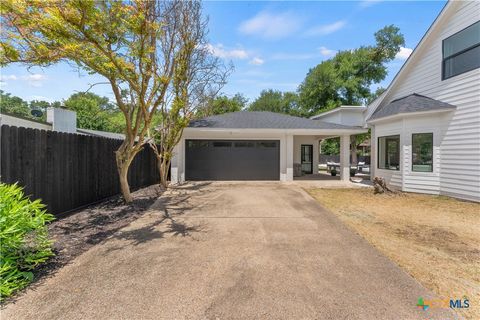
[
  {"x": 276, "y": 101},
  {"x": 346, "y": 78},
  {"x": 23, "y": 237}
]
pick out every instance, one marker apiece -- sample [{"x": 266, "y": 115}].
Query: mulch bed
[{"x": 78, "y": 231}]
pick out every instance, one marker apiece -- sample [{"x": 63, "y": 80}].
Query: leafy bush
[{"x": 23, "y": 238}]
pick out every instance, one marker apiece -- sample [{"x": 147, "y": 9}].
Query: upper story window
[{"x": 461, "y": 51}]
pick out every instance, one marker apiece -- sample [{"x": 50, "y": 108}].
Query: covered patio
[
  {"x": 257, "y": 146},
  {"x": 306, "y": 158}
]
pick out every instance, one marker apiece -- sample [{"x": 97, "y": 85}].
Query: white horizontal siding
[{"x": 458, "y": 156}]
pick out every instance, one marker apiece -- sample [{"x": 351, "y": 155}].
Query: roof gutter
[
  {"x": 408, "y": 114},
  {"x": 339, "y": 131}
]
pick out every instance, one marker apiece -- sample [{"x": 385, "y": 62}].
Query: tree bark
[
  {"x": 124, "y": 156},
  {"x": 353, "y": 148},
  {"x": 380, "y": 186},
  {"x": 163, "y": 166}
]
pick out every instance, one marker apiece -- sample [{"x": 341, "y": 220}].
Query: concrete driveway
[{"x": 229, "y": 251}]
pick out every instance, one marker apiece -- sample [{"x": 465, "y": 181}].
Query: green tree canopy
[
  {"x": 93, "y": 111},
  {"x": 17, "y": 106},
  {"x": 346, "y": 78},
  {"x": 14, "y": 105},
  {"x": 223, "y": 104},
  {"x": 153, "y": 54},
  {"x": 276, "y": 101}
]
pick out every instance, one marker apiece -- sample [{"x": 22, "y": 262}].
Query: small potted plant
[
  {"x": 353, "y": 171},
  {"x": 333, "y": 172}
]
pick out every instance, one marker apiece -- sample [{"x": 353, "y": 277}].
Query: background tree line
[
  {"x": 93, "y": 111},
  {"x": 156, "y": 59}
]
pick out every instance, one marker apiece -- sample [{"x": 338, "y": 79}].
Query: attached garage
[{"x": 232, "y": 159}]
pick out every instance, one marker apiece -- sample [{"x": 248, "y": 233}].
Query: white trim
[
  {"x": 353, "y": 108},
  {"x": 331, "y": 132},
  {"x": 408, "y": 114},
  {"x": 412, "y": 56}
]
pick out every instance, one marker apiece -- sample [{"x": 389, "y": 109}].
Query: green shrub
[{"x": 23, "y": 238}]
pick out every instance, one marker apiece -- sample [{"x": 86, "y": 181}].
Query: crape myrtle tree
[
  {"x": 194, "y": 84},
  {"x": 139, "y": 47}
]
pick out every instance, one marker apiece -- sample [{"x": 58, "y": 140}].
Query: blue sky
[{"x": 271, "y": 44}]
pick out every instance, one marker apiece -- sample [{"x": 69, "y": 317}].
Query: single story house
[
  {"x": 58, "y": 119},
  {"x": 425, "y": 127},
  {"x": 255, "y": 146}
]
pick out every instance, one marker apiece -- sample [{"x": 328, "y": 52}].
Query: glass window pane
[
  {"x": 422, "y": 152},
  {"x": 389, "y": 152},
  {"x": 197, "y": 144},
  {"x": 222, "y": 144},
  {"x": 266, "y": 144},
  {"x": 461, "y": 63},
  {"x": 244, "y": 144},
  {"x": 462, "y": 40}
]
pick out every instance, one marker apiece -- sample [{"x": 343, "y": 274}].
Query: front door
[{"x": 307, "y": 157}]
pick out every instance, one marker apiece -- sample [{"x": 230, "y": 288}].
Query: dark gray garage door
[{"x": 232, "y": 160}]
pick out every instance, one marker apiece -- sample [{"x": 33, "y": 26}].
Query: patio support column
[
  {"x": 289, "y": 154},
  {"x": 345, "y": 157},
  {"x": 177, "y": 174}
]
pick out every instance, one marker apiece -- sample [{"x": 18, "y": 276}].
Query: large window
[
  {"x": 389, "y": 152},
  {"x": 422, "y": 152},
  {"x": 461, "y": 52}
]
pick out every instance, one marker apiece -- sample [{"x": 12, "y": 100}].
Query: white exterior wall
[
  {"x": 348, "y": 116},
  {"x": 62, "y": 120},
  {"x": 458, "y": 150},
  {"x": 297, "y": 150},
  {"x": 331, "y": 117},
  {"x": 405, "y": 179}
]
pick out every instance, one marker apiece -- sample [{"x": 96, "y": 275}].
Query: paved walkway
[{"x": 229, "y": 251}]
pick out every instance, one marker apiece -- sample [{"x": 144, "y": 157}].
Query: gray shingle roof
[
  {"x": 409, "y": 104},
  {"x": 262, "y": 120}
]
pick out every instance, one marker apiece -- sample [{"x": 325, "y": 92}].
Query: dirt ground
[
  {"x": 79, "y": 230},
  {"x": 229, "y": 251},
  {"x": 435, "y": 239}
]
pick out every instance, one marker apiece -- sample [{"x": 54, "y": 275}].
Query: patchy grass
[{"x": 435, "y": 239}]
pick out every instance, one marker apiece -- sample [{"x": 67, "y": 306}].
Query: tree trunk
[
  {"x": 163, "y": 166},
  {"x": 124, "y": 186},
  {"x": 353, "y": 148},
  {"x": 124, "y": 158}
]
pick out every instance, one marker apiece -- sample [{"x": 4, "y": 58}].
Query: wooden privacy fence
[{"x": 67, "y": 170}]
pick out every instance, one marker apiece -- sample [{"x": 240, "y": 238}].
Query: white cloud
[
  {"x": 326, "y": 28},
  {"x": 4, "y": 78},
  {"x": 257, "y": 61},
  {"x": 219, "y": 50},
  {"x": 270, "y": 25},
  {"x": 327, "y": 52},
  {"x": 34, "y": 79},
  {"x": 368, "y": 3},
  {"x": 404, "y": 53}
]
